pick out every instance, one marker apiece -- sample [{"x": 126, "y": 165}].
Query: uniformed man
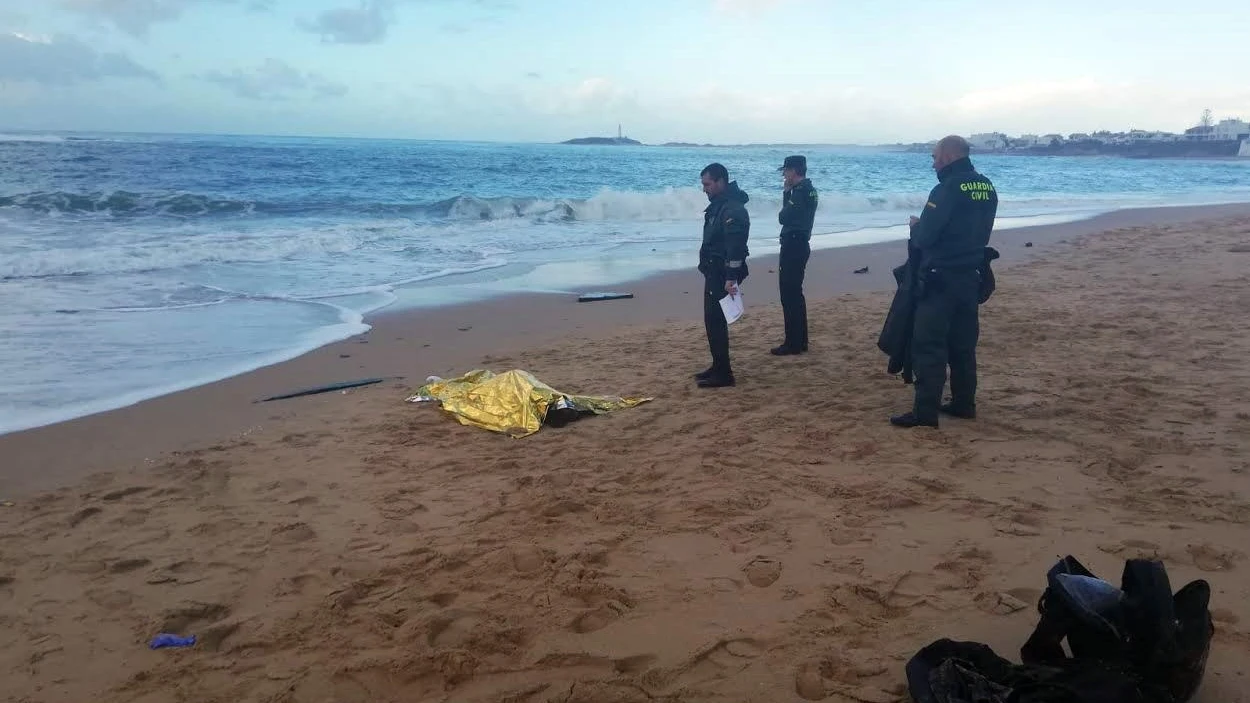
[
  {"x": 950, "y": 236},
  {"x": 722, "y": 261},
  {"x": 798, "y": 211}
]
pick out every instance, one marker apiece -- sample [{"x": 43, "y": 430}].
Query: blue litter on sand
[{"x": 167, "y": 640}]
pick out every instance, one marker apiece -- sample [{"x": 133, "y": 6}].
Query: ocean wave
[
  {"x": 672, "y": 204},
  {"x": 121, "y": 202}
]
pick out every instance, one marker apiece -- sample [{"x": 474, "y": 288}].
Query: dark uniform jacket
[
  {"x": 798, "y": 211},
  {"x": 895, "y": 338},
  {"x": 955, "y": 225},
  {"x": 726, "y": 228}
]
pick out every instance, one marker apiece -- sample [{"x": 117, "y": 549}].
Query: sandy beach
[{"x": 778, "y": 541}]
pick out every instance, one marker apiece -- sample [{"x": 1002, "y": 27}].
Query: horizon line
[{"x": 15, "y": 130}]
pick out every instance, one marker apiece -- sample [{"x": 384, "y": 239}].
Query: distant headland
[
  {"x": 619, "y": 140},
  {"x": 609, "y": 141}
]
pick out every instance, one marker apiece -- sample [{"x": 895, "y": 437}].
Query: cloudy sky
[{"x": 670, "y": 70}]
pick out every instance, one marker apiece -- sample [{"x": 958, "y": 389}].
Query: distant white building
[
  {"x": 1224, "y": 130},
  {"x": 1245, "y": 148},
  {"x": 1231, "y": 129},
  {"x": 989, "y": 141},
  {"x": 1145, "y": 135}
]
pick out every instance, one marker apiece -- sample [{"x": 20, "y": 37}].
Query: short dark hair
[{"x": 716, "y": 171}]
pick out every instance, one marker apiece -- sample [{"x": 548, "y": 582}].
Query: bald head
[{"x": 949, "y": 150}]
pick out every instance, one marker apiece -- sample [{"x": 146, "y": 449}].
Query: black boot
[
  {"x": 786, "y": 350},
  {"x": 967, "y": 412},
  {"x": 910, "y": 420},
  {"x": 705, "y": 374},
  {"x": 717, "y": 380}
]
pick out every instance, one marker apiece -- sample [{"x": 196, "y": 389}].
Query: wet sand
[{"x": 775, "y": 541}]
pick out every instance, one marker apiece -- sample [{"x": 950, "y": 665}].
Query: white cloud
[
  {"x": 276, "y": 80},
  {"x": 745, "y": 6},
  {"x": 366, "y": 23},
  {"x": 61, "y": 60},
  {"x": 137, "y": 16}
]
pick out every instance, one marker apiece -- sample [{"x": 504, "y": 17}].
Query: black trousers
[
  {"x": 945, "y": 332},
  {"x": 791, "y": 267},
  {"x": 714, "y": 321}
]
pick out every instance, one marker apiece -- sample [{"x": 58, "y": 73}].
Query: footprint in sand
[
  {"x": 184, "y": 618},
  {"x": 594, "y": 620},
  {"x": 1225, "y": 616},
  {"x": 1210, "y": 558},
  {"x": 123, "y": 493},
  {"x": 293, "y": 533},
  {"x": 127, "y": 565},
  {"x": 1132, "y": 549},
  {"x": 607, "y": 605},
  {"x": 999, "y": 603},
  {"x": 77, "y": 518},
  {"x": 763, "y": 572},
  {"x": 720, "y": 660},
  {"x": 527, "y": 560},
  {"x": 809, "y": 683},
  {"x": 635, "y": 665},
  {"x": 563, "y": 507},
  {"x": 453, "y": 629},
  {"x": 443, "y": 600}
]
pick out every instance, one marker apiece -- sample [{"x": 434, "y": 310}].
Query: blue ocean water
[{"x": 135, "y": 265}]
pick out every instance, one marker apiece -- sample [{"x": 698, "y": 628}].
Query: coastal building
[
  {"x": 1143, "y": 135},
  {"x": 1231, "y": 129},
  {"x": 1245, "y": 148},
  {"x": 989, "y": 141},
  {"x": 1224, "y": 130}
]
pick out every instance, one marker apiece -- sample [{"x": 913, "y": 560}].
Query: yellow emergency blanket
[{"x": 513, "y": 402}]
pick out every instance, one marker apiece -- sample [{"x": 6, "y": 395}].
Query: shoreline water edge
[{"x": 405, "y": 344}]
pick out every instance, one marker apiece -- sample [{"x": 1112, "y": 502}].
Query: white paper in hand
[{"x": 732, "y": 305}]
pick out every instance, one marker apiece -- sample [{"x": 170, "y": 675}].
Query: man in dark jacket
[
  {"x": 950, "y": 237},
  {"x": 798, "y": 211},
  {"x": 722, "y": 261}
]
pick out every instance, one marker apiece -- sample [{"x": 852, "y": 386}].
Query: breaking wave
[{"x": 608, "y": 205}]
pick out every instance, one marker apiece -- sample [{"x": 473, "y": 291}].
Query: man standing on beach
[
  {"x": 722, "y": 261},
  {"x": 798, "y": 211},
  {"x": 950, "y": 235}
]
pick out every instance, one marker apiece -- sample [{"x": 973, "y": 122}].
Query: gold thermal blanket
[{"x": 513, "y": 402}]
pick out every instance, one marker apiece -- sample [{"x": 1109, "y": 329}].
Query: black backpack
[{"x": 1137, "y": 644}]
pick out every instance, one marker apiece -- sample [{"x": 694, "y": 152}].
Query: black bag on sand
[{"x": 1136, "y": 644}]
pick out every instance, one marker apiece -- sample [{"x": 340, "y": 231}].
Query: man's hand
[
  {"x": 731, "y": 287},
  {"x": 914, "y": 221}
]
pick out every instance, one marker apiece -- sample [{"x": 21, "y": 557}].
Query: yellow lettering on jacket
[{"x": 977, "y": 190}]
